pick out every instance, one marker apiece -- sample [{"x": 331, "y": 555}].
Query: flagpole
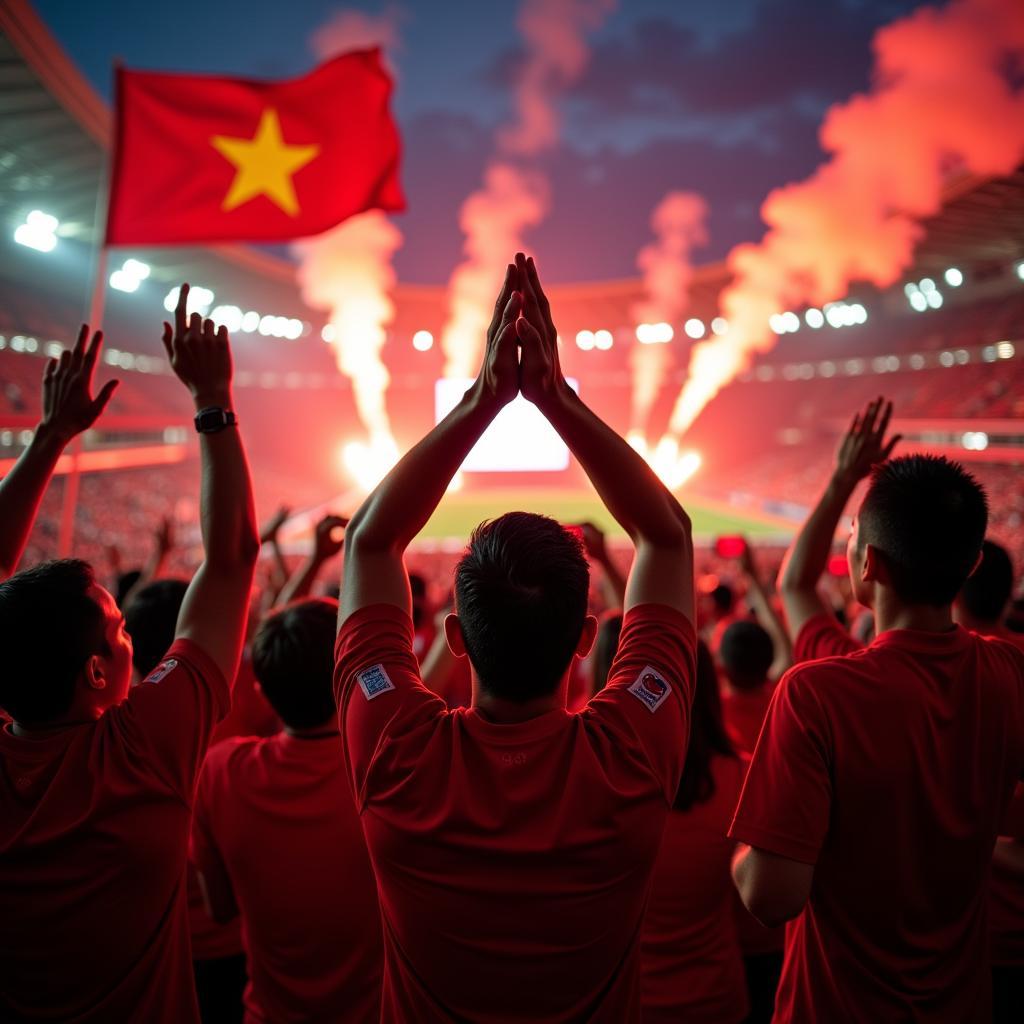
[{"x": 72, "y": 479}]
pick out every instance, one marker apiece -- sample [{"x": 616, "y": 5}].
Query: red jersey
[
  {"x": 891, "y": 771},
  {"x": 691, "y": 967},
  {"x": 94, "y": 824},
  {"x": 743, "y": 713},
  {"x": 822, "y": 636},
  {"x": 275, "y": 817},
  {"x": 513, "y": 860}
]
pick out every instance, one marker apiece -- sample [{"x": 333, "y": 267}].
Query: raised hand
[
  {"x": 499, "y": 374},
  {"x": 200, "y": 355},
  {"x": 68, "y": 405},
  {"x": 165, "y": 537},
  {"x": 273, "y": 525},
  {"x": 329, "y": 537},
  {"x": 540, "y": 374},
  {"x": 864, "y": 444},
  {"x": 593, "y": 542}
]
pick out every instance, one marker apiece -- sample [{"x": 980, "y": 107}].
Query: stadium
[{"x": 735, "y": 380}]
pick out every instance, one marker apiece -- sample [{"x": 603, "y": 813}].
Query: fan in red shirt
[
  {"x": 881, "y": 778},
  {"x": 97, "y": 780},
  {"x": 277, "y": 839},
  {"x": 691, "y": 965},
  {"x": 514, "y": 841}
]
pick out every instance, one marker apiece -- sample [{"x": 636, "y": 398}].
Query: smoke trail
[
  {"x": 347, "y": 271},
  {"x": 514, "y": 198},
  {"x": 944, "y": 96},
  {"x": 678, "y": 224}
]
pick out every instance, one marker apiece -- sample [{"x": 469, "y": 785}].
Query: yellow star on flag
[{"x": 265, "y": 165}]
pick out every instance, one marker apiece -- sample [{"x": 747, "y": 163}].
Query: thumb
[{"x": 526, "y": 332}]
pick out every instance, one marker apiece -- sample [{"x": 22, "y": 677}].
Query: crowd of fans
[{"x": 543, "y": 786}]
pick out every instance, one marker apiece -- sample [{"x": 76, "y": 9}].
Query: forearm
[
  {"x": 21, "y": 492},
  {"x": 613, "y": 584},
  {"x": 807, "y": 557},
  {"x": 639, "y": 501},
  {"x": 773, "y": 624},
  {"x": 300, "y": 583},
  {"x": 403, "y": 502}
]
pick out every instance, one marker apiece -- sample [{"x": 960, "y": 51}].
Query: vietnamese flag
[{"x": 210, "y": 159}]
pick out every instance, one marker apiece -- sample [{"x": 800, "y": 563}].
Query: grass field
[{"x": 459, "y": 513}]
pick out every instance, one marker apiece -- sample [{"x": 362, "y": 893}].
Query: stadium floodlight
[
  {"x": 926, "y": 284},
  {"x": 123, "y": 281},
  {"x": 229, "y": 316},
  {"x": 954, "y": 277},
  {"x": 791, "y": 322},
  {"x": 199, "y": 300},
  {"x": 1020, "y": 270},
  {"x": 585, "y": 340},
  {"x": 835, "y": 314},
  {"x": 975, "y": 440},
  {"x": 1006, "y": 350},
  {"x": 663, "y": 332},
  {"x": 137, "y": 269},
  {"x": 293, "y": 329},
  {"x": 720, "y": 326},
  {"x": 859, "y": 313},
  {"x": 919, "y": 302},
  {"x": 814, "y": 318},
  {"x": 934, "y": 298},
  {"x": 422, "y": 341},
  {"x": 910, "y": 288},
  {"x": 603, "y": 340},
  {"x": 328, "y": 332},
  {"x": 776, "y": 323},
  {"x": 39, "y": 231},
  {"x": 694, "y": 328}
]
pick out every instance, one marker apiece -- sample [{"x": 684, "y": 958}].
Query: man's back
[
  {"x": 890, "y": 770},
  {"x": 277, "y": 814},
  {"x": 513, "y": 859},
  {"x": 94, "y": 824}
]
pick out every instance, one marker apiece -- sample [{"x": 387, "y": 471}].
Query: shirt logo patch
[
  {"x": 650, "y": 689},
  {"x": 160, "y": 671},
  {"x": 374, "y": 681}
]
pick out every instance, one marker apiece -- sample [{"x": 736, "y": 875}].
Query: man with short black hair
[
  {"x": 981, "y": 604},
  {"x": 513, "y": 841},
  {"x": 881, "y": 778},
  {"x": 97, "y": 780},
  {"x": 746, "y": 655},
  {"x": 277, "y": 839}
]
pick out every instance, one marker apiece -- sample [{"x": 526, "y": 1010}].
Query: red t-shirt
[
  {"x": 823, "y": 636},
  {"x": 94, "y": 825},
  {"x": 275, "y": 818},
  {"x": 890, "y": 770},
  {"x": 691, "y": 967},
  {"x": 513, "y": 860},
  {"x": 743, "y": 713},
  {"x": 1006, "y": 907}
]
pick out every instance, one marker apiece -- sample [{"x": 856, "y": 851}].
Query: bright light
[
  {"x": 123, "y": 281},
  {"x": 926, "y": 284},
  {"x": 919, "y": 302},
  {"x": 229, "y": 316},
  {"x": 655, "y": 334},
  {"x": 637, "y": 442},
  {"x": 694, "y": 328},
  {"x": 814, "y": 318},
  {"x": 1006, "y": 350},
  {"x": 791, "y": 322},
  {"x": 266, "y": 327},
  {"x": 934, "y": 298},
  {"x": 910, "y": 288},
  {"x": 672, "y": 468},
  {"x": 585, "y": 340},
  {"x": 137, "y": 269},
  {"x": 777, "y": 323},
  {"x": 603, "y": 340},
  {"x": 199, "y": 300},
  {"x": 975, "y": 440},
  {"x": 859, "y": 313},
  {"x": 954, "y": 278},
  {"x": 38, "y": 232},
  {"x": 293, "y": 329},
  {"x": 328, "y": 332},
  {"x": 720, "y": 326},
  {"x": 369, "y": 462},
  {"x": 422, "y": 341},
  {"x": 457, "y": 483},
  {"x": 1020, "y": 270},
  {"x": 250, "y": 321}
]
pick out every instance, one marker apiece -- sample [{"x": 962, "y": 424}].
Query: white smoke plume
[{"x": 944, "y": 96}]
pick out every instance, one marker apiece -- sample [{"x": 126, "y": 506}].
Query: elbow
[{"x": 249, "y": 547}]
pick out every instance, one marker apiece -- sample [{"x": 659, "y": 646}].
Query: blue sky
[{"x": 723, "y": 98}]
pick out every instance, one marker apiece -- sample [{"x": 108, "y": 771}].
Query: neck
[
  {"x": 890, "y": 614},
  {"x": 509, "y": 712}
]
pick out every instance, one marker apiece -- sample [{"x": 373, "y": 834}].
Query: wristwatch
[{"x": 214, "y": 419}]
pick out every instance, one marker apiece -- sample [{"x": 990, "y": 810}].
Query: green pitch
[{"x": 459, "y": 513}]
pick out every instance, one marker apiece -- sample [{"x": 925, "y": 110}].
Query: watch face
[{"x": 211, "y": 420}]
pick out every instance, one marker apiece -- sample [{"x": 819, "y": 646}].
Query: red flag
[{"x": 204, "y": 159}]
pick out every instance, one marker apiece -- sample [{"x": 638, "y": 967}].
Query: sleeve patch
[
  {"x": 374, "y": 681},
  {"x": 161, "y": 671},
  {"x": 651, "y": 689}
]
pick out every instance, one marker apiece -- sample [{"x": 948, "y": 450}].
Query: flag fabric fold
[{"x": 201, "y": 158}]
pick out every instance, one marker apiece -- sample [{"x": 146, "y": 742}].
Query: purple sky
[{"x": 723, "y": 97}]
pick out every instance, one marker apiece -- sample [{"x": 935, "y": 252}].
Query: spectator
[
  {"x": 746, "y": 655},
  {"x": 691, "y": 968},
  {"x": 981, "y": 604},
  {"x": 863, "y": 827},
  {"x": 277, "y": 839},
  {"x": 97, "y": 780},
  {"x": 513, "y": 841}
]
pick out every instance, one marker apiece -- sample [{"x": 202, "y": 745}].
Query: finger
[
  {"x": 527, "y": 333},
  {"x": 104, "y": 397},
  {"x": 179, "y": 310},
  {"x": 883, "y": 423},
  {"x": 222, "y": 334},
  {"x": 507, "y": 287},
  {"x": 166, "y": 339},
  {"x": 889, "y": 447},
  {"x": 209, "y": 330},
  {"x": 65, "y": 361},
  {"x": 542, "y": 299},
  {"x": 854, "y": 425},
  {"x": 531, "y": 304},
  {"x": 195, "y": 325},
  {"x": 92, "y": 354},
  {"x": 867, "y": 424},
  {"x": 50, "y": 370},
  {"x": 511, "y": 312},
  {"x": 79, "y": 350}
]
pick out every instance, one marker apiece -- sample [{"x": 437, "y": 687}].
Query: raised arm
[
  {"x": 662, "y": 571},
  {"x": 613, "y": 586},
  {"x": 328, "y": 540},
  {"x": 766, "y": 614},
  {"x": 404, "y": 500},
  {"x": 862, "y": 447},
  {"x": 278, "y": 570},
  {"x": 214, "y": 611},
  {"x": 68, "y": 409}
]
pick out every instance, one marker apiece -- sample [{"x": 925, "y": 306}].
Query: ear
[
  {"x": 871, "y": 571},
  {"x": 93, "y": 672},
  {"x": 453, "y": 634},
  {"x": 587, "y": 636}
]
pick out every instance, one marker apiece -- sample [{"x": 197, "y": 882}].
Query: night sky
[{"x": 722, "y": 97}]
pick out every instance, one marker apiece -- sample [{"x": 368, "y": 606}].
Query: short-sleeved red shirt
[
  {"x": 691, "y": 966},
  {"x": 94, "y": 826},
  {"x": 891, "y": 771},
  {"x": 743, "y": 713},
  {"x": 276, "y": 817},
  {"x": 513, "y": 860},
  {"x": 823, "y": 636}
]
